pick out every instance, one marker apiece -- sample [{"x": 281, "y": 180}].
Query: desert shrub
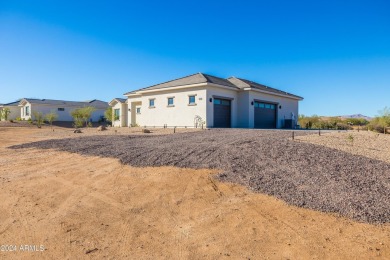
[
  {"x": 5, "y": 113},
  {"x": 52, "y": 116},
  {"x": 350, "y": 138},
  {"x": 77, "y": 118},
  {"x": 336, "y": 123},
  {"x": 357, "y": 121},
  {"x": 380, "y": 122},
  {"x": 38, "y": 118},
  {"x": 82, "y": 115},
  {"x": 108, "y": 114}
]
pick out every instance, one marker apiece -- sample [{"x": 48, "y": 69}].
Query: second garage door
[
  {"x": 222, "y": 112},
  {"x": 265, "y": 115}
]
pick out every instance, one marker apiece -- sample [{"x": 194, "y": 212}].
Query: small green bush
[{"x": 38, "y": 118}]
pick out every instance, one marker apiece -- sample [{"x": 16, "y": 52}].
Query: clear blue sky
[{"x": 336, "y": 54}]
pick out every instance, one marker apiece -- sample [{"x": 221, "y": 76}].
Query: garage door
[
  {"x": 265, "y": 115},
  {"x": 222, "y": 112}
]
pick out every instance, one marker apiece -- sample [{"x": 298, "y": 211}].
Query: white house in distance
[
  {"x": 218, "y": 102},
  {"x": 13, "y": 108},
  {"x": 61, "y": 107}
]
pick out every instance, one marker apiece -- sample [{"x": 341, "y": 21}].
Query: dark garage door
[
  {"x": 222, "y": 112},
  {"x": 265, "y": 115}
]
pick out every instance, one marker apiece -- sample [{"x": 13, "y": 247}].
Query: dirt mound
[{"x": 301, "y": 174}]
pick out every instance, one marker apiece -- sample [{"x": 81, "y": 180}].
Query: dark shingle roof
[
  {"x": 122, "y": 100},
  {"x": 95, "y": 103},
  {"x": 189, "y": 80},
  {"x": 244, "y": 83},
  {"x": 15, "y": 103}
]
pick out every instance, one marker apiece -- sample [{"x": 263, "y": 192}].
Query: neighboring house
[
  {"x": 13, "y": 108},
  {"x": 215, "y": 101},
  {"x": 62, "y": 108},
  {"x": 119, "y": 112}
]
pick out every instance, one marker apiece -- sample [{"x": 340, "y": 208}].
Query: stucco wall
[
  {"x": 226, "y": 93},
  {"x": 181, "y": 114},
  {"x": 122, "y": 121},
  {"x": 14, "y": 112},
  {"x": 62, "y": 115},
  {"x": 288, "y": 106}
]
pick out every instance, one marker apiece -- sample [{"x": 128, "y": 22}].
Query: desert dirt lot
[{"x": 80, "y": 206}]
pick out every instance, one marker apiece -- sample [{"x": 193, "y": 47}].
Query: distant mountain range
[{"x": 357, "y": 116}]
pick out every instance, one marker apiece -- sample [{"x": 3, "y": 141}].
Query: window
[
  {"x": 225, "y": 102},
  {"x": 265, "y": 105},
  {"x": 217, "y": 101},
  {"x": 27, "y": 111},
  {"x": 116, "y": 114},
  {"x": 151, "y": 102},
  {"x": 191, "y": 100},
  {"x": 138, "y": 110},
  {"x": 170, "y": 102},
  {"x": 61, "y": 109}
]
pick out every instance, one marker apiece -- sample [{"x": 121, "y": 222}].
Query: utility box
[{"x": 289, "y": 123}]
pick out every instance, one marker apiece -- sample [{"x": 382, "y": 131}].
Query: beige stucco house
[{"x": 202, "y": 99}]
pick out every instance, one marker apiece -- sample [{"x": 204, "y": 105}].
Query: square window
[
  {"x": 151, "y": 102},
  {"x": 138, "y": 110},
  {"x": 267, "y": 106},
  {"x": 170, "y": 101},
  {"x": 191, "y": 100},
  {"x": 217, "y": 101}
]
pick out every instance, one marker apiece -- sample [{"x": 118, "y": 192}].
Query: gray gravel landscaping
[{"x": 302, "y": 174}]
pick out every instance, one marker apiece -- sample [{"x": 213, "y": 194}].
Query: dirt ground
[
  {"x": 266, "y": 161},
  {"x": 82, "y": 207},
  {"x": 365, "y": 143}
]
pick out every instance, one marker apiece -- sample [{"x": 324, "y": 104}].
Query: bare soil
[
  {"x": 88, "y": 207},
  {"x": 365, "y": 143},
  {"x": 302, "y": 174}
]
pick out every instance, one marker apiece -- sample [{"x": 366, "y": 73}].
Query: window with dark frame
[
  {"x": 151, "y": 102},
  {"x": 191, "y": 100},
  {"x": 170, "y": 101},
  {"x": 138, "y": 110}
]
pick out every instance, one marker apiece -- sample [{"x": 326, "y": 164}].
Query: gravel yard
[{"x": 300, "y": 173}]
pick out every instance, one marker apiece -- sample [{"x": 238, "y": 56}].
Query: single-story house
[
  {"x": 62, "y": 108},
  {"x": 209, "y": 101},
  {"x": 14, "y": 110}
]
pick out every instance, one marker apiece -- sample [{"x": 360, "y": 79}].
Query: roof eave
[{"x": 275, "y": 94}]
